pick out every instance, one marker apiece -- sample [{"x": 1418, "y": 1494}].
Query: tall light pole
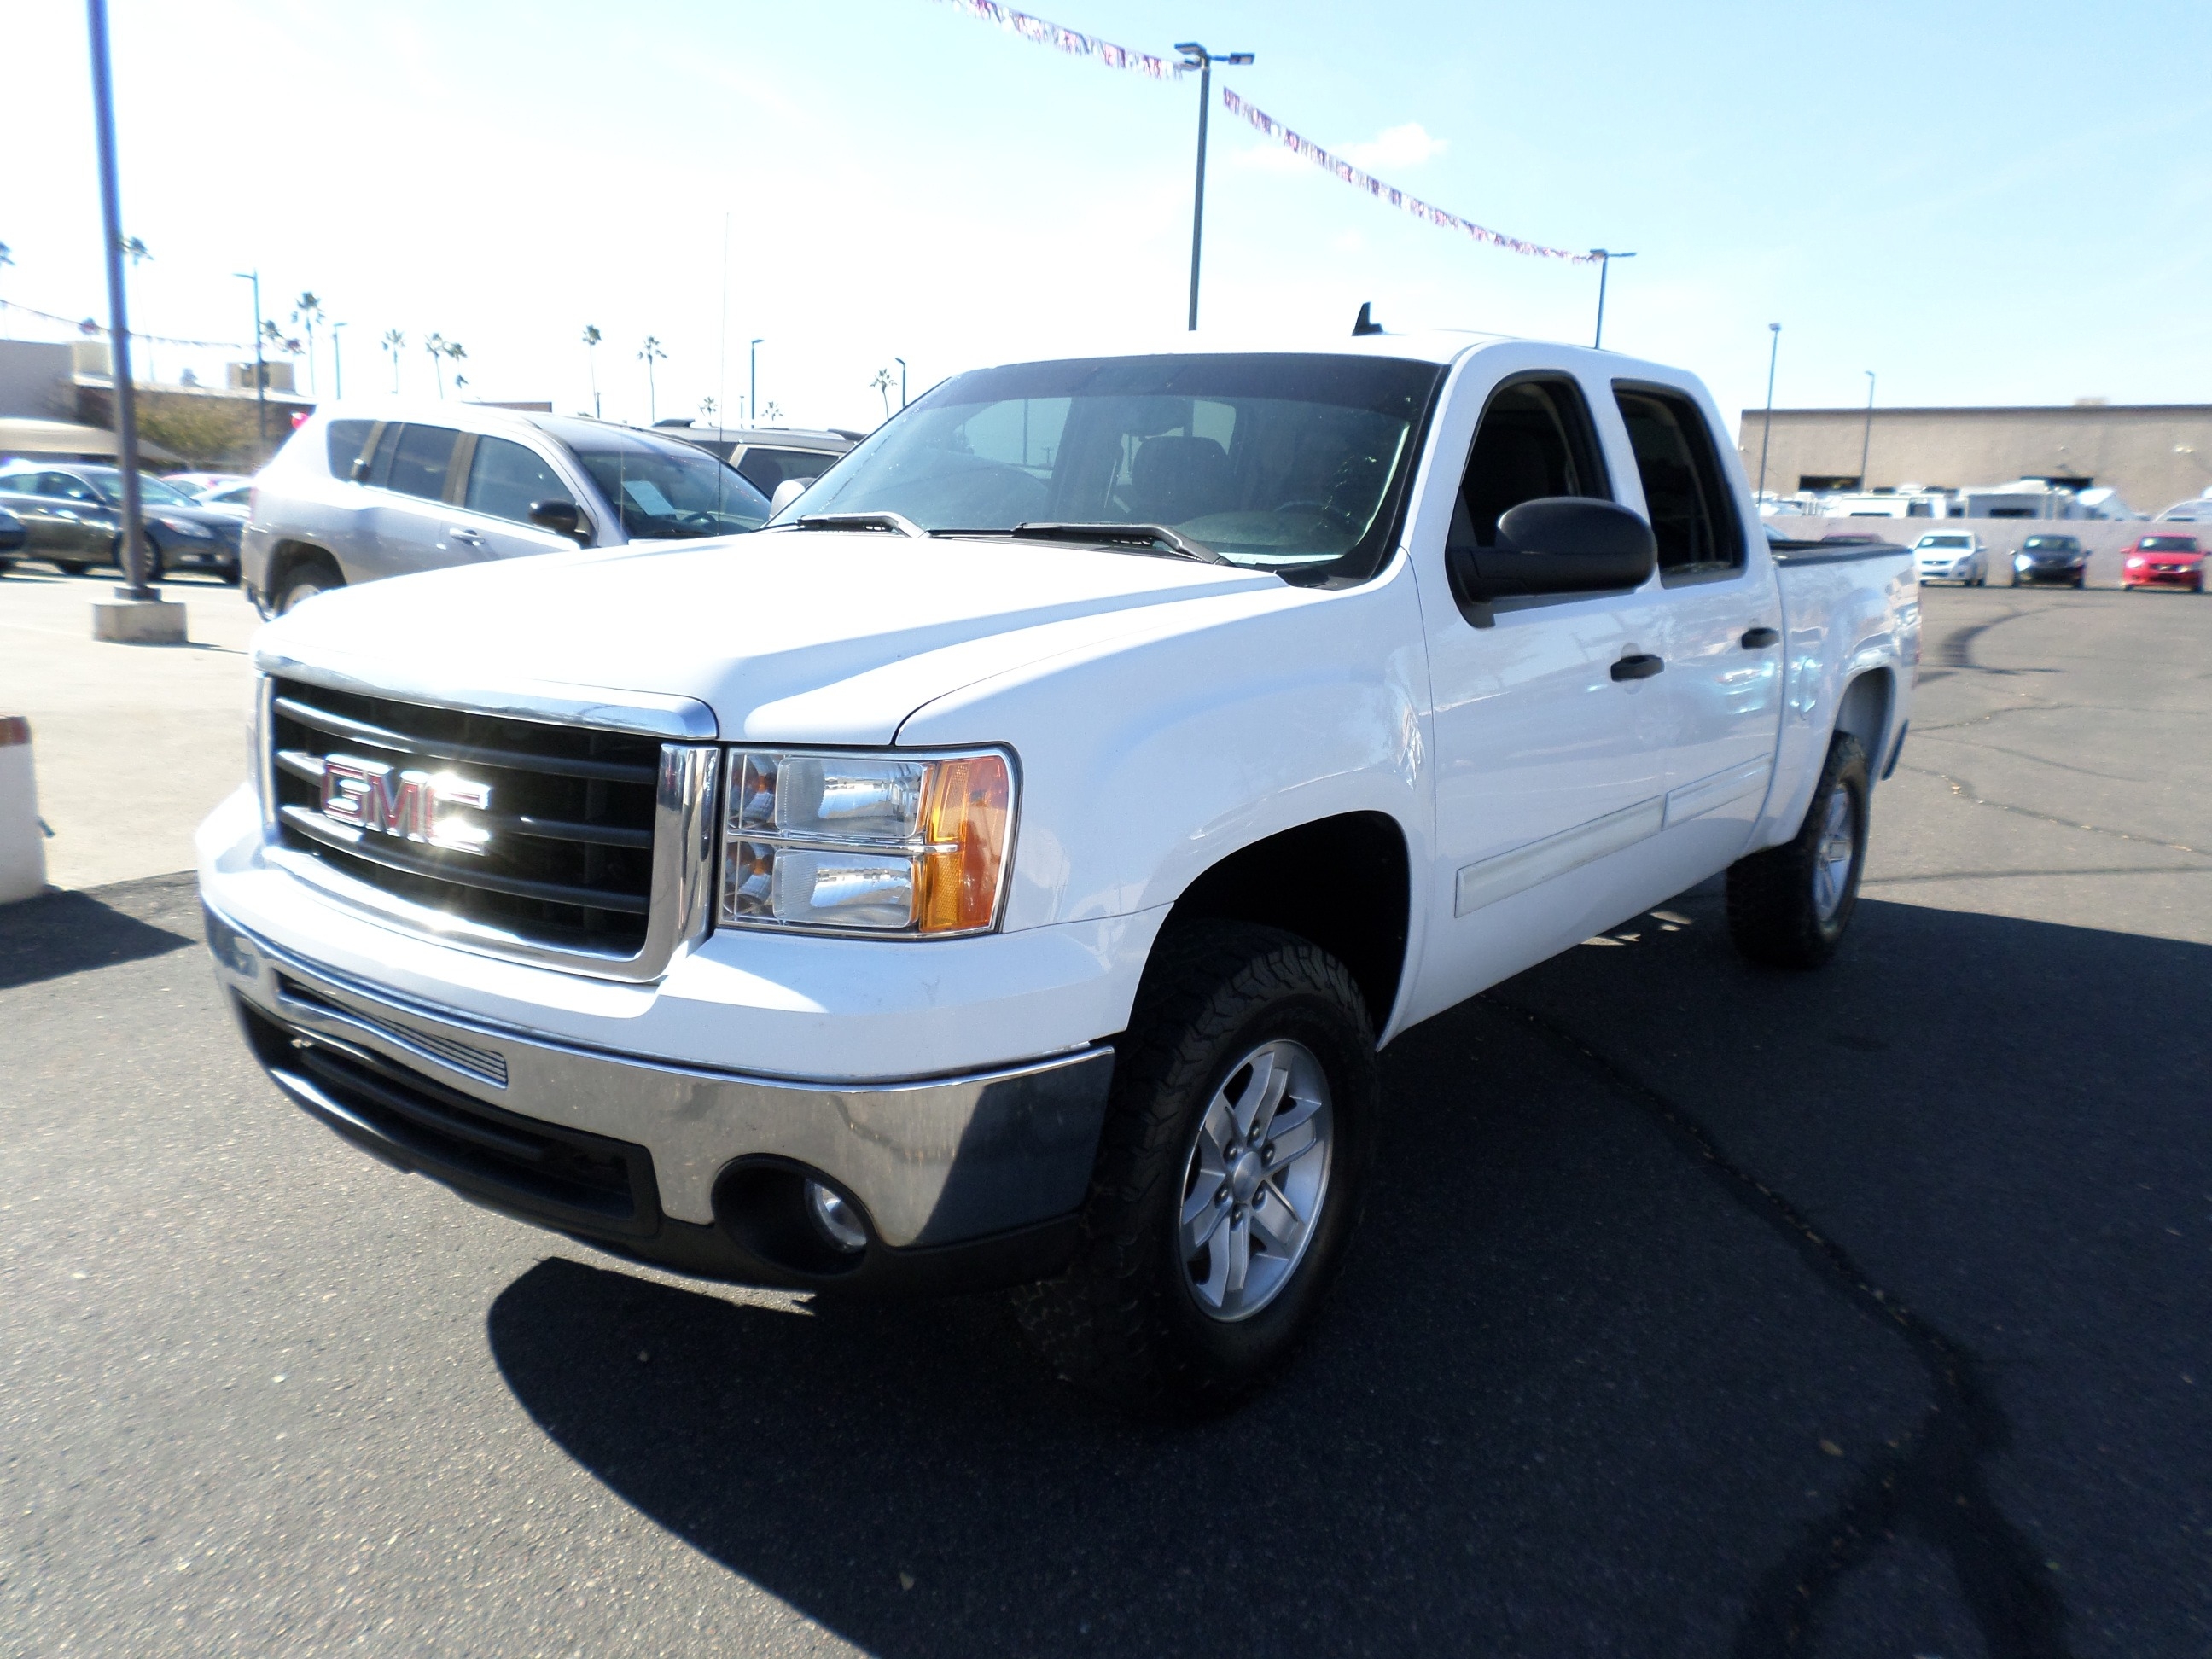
[
  {"x": 119, "y": 321},
  {"x": 1866, "y": 439},
  {"x": 1766, "y": 437},
  {"x": 337, "y": 362},
  {"x": 752, "y": 381},
  {"x": 901, "y": 361},
  {"x": 1605, "y": 256},
  {"x": 1198, "y": 58},
  {"x": 261, "y": 374}
]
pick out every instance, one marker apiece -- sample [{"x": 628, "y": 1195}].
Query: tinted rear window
[
  {"x": 419, "y": 464},
  {"x": 345, "y": 440}
]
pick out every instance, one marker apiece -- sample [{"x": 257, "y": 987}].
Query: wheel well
[
  {"x": 292, "y": 556},
  {"x": 1864, "y": 713},
  {"x": 1340, "y": 882}
]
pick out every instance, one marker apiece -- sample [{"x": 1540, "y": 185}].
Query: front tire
[
  {"x": 303, "y": 581},
  {"x": 1230, "y": 1174},
  {"x": 1789, "y": 906}
]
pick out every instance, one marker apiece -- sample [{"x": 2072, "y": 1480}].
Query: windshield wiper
[
  {"x": 896, "y": 523},
  {"x": 1122, "y": 535}
]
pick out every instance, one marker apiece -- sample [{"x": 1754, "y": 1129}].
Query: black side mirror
[
  {"x": 1558, "y": 544},
  {"x": 562, "y": 517}
]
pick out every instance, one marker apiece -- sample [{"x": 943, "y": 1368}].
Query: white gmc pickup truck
[{"x": 1002, "y": 870}]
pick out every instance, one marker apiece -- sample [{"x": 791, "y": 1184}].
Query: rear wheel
[
  {"x": 72, "y": 567},
  {"x": 1229, "y": 1173},
  {"x": 1787, "y": 907},
  {"x": 304, "y": 580}
]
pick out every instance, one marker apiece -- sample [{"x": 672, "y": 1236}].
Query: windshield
[
  {"x": 2169, "y": 543},
  {"x": 1276, "y": 462},
  {"x": 1944, "y": 541},
  {"x": 152, "y": 492},
  {"x": 2050, "y": 543},
  {"x": 662, "y": 490}
]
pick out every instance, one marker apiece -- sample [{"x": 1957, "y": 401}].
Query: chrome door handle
[
  {"x": 1635, "y": 667},
  {"x": 463, "y": 533}
]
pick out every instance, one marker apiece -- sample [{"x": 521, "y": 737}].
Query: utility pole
[
  {"x": 901, "y": 361},
  {"x": 1605, "y": 257},
  {"x": 1866, "y": 439},
  {"x": 119, "y": 321},
  {"x": 337, "y": 362},
  {"x": 1766, "y": 435},
  {"x": 1198, "y": 58},
  {"x": 260, "y": 373},
  {"x": 752, "y": 382}
]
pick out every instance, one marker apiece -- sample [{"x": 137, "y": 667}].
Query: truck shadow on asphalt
[
  {"x": 1631, "y": 1355},
  {"x": 63, "y": 933}
]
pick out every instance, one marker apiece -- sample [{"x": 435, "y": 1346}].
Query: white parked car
[
  {"x": 1952, "y": 555},
  {"x": 1003, "y": 869}
]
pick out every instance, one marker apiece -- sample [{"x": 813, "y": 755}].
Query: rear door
[
  {"x": 404, "y": 523},
  {"x": 505, "y": 479},
  {"x": 1721, "y": 632},
  {"x": 1550, "y": 733}
]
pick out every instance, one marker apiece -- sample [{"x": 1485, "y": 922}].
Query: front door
[
  {"x": 506, "y": 479},
  {"x": 405, "y": 522},
  {"x": 1550, "y": 733}
]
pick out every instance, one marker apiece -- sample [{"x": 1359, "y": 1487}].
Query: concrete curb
[
  {"x": 22, "y": 837},
  {"x": 138, "y": 622}
]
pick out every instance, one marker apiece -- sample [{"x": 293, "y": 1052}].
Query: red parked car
[{"x": 2163, "y": 562}]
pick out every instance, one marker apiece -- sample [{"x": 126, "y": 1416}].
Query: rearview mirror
[
  {"x": 1558, "y": 544},
  {"x": 785, "y": 493},
  {"x": 562, "y": 517}
]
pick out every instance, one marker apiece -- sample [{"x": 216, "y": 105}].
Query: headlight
[
  {"x": 186, "y": 527},
  {"x": 881, "y": 843}
]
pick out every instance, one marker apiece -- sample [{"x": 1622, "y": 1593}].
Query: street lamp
[
  {"x": 901, "y": 361},
  {"x": 1605, "y": 256},
  {"x": 260, "y": 375},
  {"x": 119, "y": 321},
  {"x": 1766, "y": 434},
  {"x": 1866, "y": 438},
  {"x": 752, "y": 381},
  {"x": 338, "y": 360},
  {"x": 1198, "y": 58}
]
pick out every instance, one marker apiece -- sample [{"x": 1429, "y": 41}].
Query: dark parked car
[
  {"x": 2050, "y": 559},
  {"x": 12, "y": 537},
  {"x": 767, "y": 456},
  {"x": 72, "y": 513}
]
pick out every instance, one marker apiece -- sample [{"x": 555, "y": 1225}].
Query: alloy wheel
[
  {"x": 1254, "y": 1180},
  {"x": 1832, "y": 857}
]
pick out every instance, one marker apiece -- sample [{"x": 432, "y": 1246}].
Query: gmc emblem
[{"x": 366, "y": 794}]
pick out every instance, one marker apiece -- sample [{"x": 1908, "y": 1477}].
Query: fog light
[{"x": 839, "y": 1222}]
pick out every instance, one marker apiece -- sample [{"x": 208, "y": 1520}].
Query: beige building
[{"x": 2153, "y": 454}]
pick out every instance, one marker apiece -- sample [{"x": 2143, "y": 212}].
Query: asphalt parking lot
[{"x": 1698, "y": 1310}]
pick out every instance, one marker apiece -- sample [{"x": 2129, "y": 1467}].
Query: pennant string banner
[
  {"x": 1383, "y": 192},
  {"x": 1072, "y": 42}
]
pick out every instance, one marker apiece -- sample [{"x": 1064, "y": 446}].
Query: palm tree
[
  {"x": 435, "y": 345},
  {"x": 650, "y": 353},
  {"x": 308, "y": 311},
  {"x": 135, "y": 250},
  {"x": 592, "y": 351},
  {"x": 455, "y": 355},
  {"x": 883, "y": 384},
  {"x": 394, "y": 342},
  {"x": 771, "y": 412},
  {"x": 707, "y": 407}
]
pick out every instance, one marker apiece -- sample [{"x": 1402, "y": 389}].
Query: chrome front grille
[{"x": 552, "y": 842}]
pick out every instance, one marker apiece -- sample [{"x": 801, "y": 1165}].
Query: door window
[
  {"x": 1693, "y": 513},
  {"x": 506, "y": 477},
  {"x": 1534, "y": 440},
  {"x": 420, "y": 461},
  {"x": 66, "y": 488}
]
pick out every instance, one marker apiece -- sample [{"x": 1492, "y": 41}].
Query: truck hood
[{"x": 788, "y": 636}]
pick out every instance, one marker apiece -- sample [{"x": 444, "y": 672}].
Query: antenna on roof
[{"x": 1363, "y": 324}]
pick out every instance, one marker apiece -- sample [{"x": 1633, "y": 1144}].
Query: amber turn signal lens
[{"x": 963, "y": 822}]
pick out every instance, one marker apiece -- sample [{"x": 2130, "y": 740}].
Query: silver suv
[
  {"x": 767, "y": 456},
  {"x": 355, "y": 495}
]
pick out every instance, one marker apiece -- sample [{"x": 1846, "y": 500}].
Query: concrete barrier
[
  {"x": 2103, "y": 538},
  {"x": 126, "y": 621},
  {"x": 22, "y": 838}
]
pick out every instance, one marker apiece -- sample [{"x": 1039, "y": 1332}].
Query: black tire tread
[
  {"x": 1101, "y": 1324},
  {"x": 1770, "y": 908}
]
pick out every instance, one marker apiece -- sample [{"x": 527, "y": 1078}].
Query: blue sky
[{"x": 1983, "y": 203}]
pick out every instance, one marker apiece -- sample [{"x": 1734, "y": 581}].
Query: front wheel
[
  {"x": 1229, "y": 1173},
  {"x": 72, "y": 567},
  {"x": 1787, "y": 907}
]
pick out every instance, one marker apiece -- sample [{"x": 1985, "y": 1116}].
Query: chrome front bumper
[{"x": 937, "y": 1165}]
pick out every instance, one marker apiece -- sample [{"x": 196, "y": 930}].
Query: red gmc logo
[{"x": 419, "y": 806}]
